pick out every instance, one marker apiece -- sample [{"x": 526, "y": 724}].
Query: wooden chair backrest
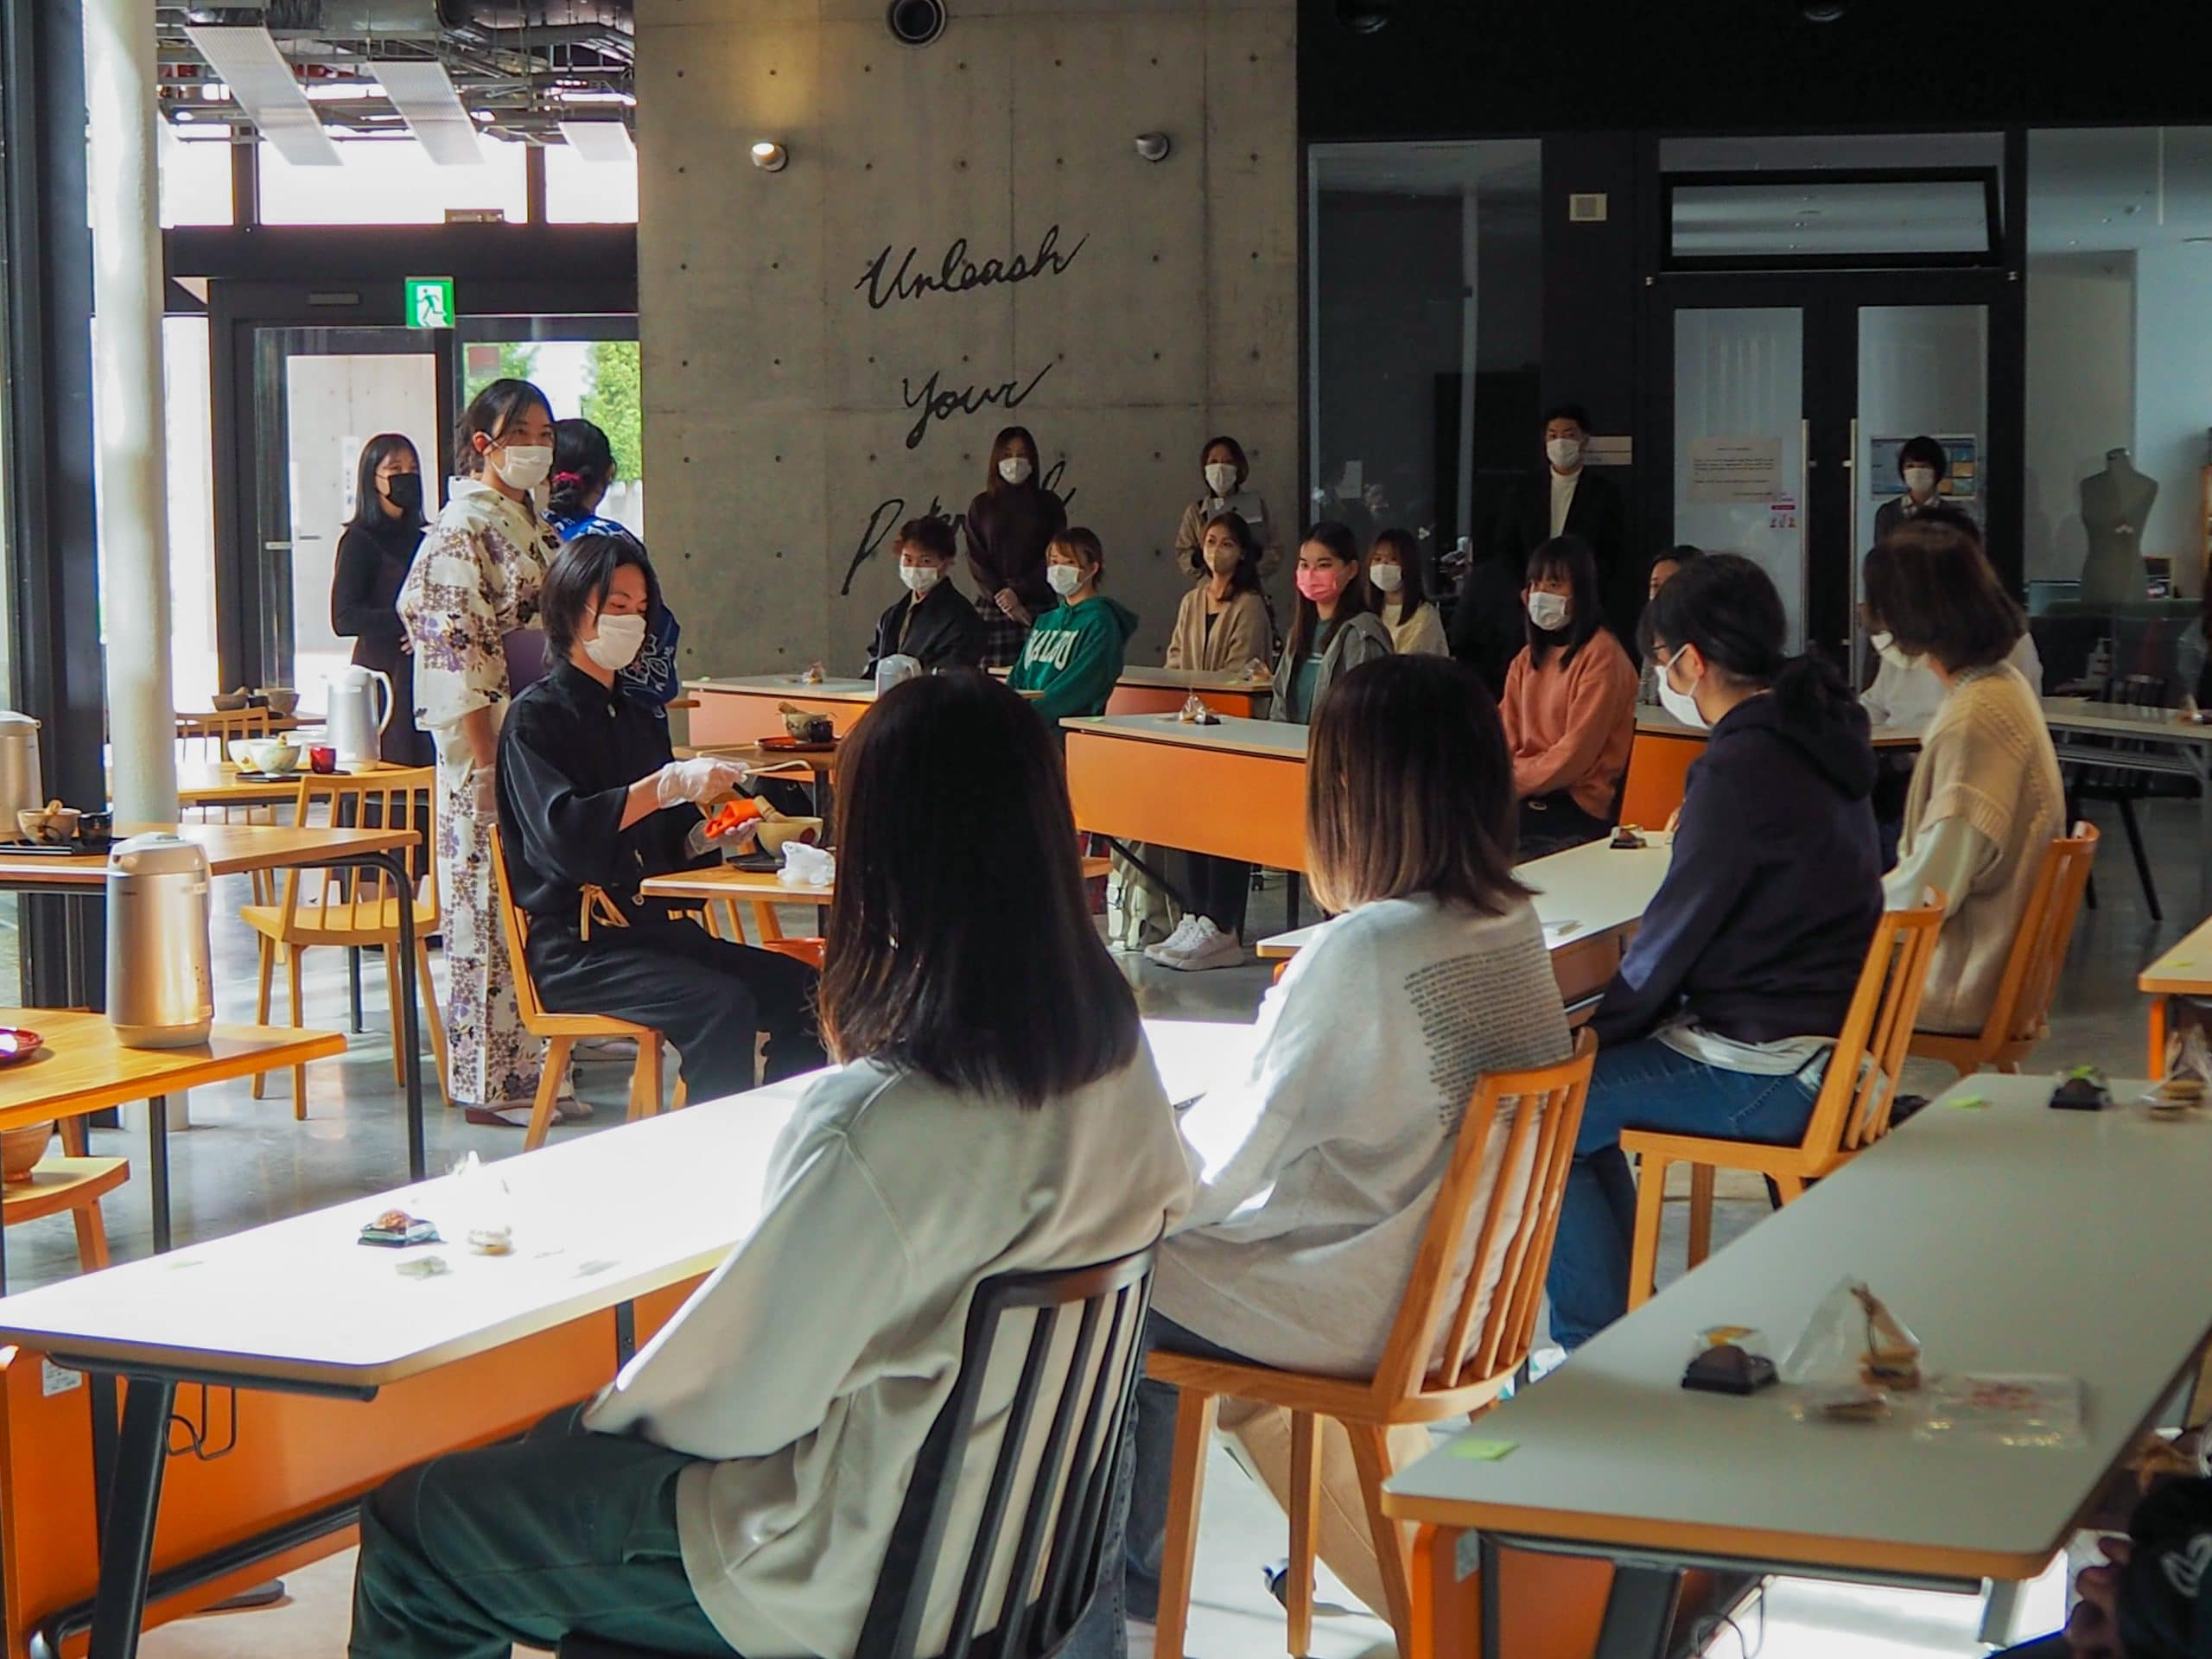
[
  {"x": 353, "y": 897},
  {"x": 1546, "y": 1107},
  {"x": 215, "y": 733},
  {"x": 516, "y": 926},
  {"x": 2030, "y": 980},
  {"x": 1852, "y": 1108}
]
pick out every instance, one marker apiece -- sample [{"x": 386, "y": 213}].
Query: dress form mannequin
[{"x": 2115, "y": 506}]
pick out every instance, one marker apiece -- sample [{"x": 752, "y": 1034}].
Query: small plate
[
  {"x": 17, "y": 1046},
  {"x": 795, "y": 746}
]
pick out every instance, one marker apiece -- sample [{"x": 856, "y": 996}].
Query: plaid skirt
[{"x": 1003, "y": 637}]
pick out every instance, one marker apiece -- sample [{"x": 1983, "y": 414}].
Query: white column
[{"x": 128, "y": 405}]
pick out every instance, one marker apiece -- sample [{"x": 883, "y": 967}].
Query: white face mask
[
  {"x": 1921, "y": 481},
  {"x": 621, "y": 639},
  {"x": 1015, "y": 469},
  {"x": 1221, "y": 477},
  {"x": 920, "y": 578},
  {"x": 1063, "y": 578},
  {"x": 1682, "y": 705},
  {"x": 1565, "y": 453},
  {"x": 1885, "y": 647},
  {"x": 524, "y": 466},
  {"x": 1388, "y": 577},
  {"x": 1547, "y": 611}
]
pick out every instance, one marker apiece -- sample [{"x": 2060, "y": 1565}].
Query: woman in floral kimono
[{"x": 474, "y": 583}]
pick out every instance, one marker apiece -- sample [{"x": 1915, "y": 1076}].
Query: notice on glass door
[{"x": 1737, "y": 469}]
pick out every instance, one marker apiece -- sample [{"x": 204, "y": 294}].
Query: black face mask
[{"x": 405, "y": 491}]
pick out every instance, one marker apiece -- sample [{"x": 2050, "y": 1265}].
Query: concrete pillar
[{"x": 128, "y": 405}]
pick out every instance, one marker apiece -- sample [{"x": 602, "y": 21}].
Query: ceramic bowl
[
  {"x": 774, "y": 835},
  {"x": 282, "y": 700},
  {"x": 51, "y": 824},
  {"x": 273, "y": 756},
  {"x": 229, "y": 702},
  {"x": 810, "y": 728},
  {"x": 21, "y": 1149},
  {"x": 240, "y": 750}
]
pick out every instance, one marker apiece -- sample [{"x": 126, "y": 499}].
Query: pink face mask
[{"x": 1320, "y": 585}]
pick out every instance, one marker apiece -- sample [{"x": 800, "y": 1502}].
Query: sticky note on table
[
  {"x": 1971, "y": 1102},
  {"x": 1483, "y": 1451}
]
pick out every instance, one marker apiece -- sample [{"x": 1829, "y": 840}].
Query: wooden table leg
[{"x": 2157, "y": 1038}]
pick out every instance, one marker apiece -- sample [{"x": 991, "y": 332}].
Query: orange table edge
[
  {"x": 1201, "y": 799},
  {"x": 2164, "y": 978}
]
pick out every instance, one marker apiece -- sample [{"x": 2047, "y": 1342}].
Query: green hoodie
[{"x": 1074, "y": 656}]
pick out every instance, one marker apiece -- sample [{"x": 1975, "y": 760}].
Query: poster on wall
[
  {"x": 1735, "y": 470},
  {"x": 1961, "y": 449}
]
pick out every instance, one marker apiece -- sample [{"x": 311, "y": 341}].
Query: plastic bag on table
[
  {"x": 2012, "y": 1410},
  {"x": 1853, "y": 1340},
  {"x": 808, "y": 866}
]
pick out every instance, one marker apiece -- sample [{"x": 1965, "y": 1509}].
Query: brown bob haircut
[
  {"x": 961, "y": 945},
  {"x": 1084, "y": 544},
  {"x": 1934, "y": 590},
  {"x": 1410, "y": 790}
]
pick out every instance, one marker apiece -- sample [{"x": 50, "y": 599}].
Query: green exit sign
[{"x": 429, "y": 302}]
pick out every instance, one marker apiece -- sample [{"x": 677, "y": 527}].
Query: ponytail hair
[
  {"x": 1728, "y": 607},
  {"x": 583, "y": 466}
]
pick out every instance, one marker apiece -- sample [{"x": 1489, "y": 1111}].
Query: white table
[
  {"x": 1272, "y": 739},
  {"x": 2010, "y": 1239},
  {"x": 1592, "y": 892},
  {"x": 301, "y": 1304},
  {"x": 2083, "y": 731}
]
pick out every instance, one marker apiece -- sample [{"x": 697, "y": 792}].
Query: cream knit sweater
[{"x": 1986, "y": 760}]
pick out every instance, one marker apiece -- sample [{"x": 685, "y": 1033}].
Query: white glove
[
  {"x": 483, "y": 792},
  {"x": 699, "y": 780}
]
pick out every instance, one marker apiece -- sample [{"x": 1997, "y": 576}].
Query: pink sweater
[{"x": 1569, "y": 724}]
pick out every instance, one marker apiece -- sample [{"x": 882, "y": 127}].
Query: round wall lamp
[
  {"x": 915, "y": 23},
  {"x": 1154, "y": 146},
  {"x": 771, "y": 156}
]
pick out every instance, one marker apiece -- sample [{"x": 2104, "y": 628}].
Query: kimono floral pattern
[{"x": 475, "y": 581}]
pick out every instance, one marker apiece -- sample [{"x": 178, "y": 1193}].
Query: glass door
[
  {"x": 320, "y": 395},
  {"x": 1740, "y": 439}
]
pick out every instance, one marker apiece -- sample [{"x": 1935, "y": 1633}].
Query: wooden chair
[
  {"x": 353, "y": 908},
  {"x": 2020, "y": 1017},
  {"x": 1539, "y": 1111},
  {"x": 1851, "y": 1112},
  {"x": 70, "y": 1182},
  {"x": 562, "y": 1031}
]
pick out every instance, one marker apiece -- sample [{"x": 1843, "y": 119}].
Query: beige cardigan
[
  {"x": 1239, "y": 636},
  {"x": 1986, "y": 760}
]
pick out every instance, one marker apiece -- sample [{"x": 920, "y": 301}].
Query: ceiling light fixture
[
  {"x": 262, "y": 80},
  {"x": 771, "y": 156},
  {"x": 600, "y": 141},
  {"x": 422, "y": 93}
]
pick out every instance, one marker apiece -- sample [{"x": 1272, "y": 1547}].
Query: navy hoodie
[{"x": 1771, "y": 897}]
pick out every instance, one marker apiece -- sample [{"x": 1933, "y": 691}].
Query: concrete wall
[
  {"x": 2080, "y": 397},
  {"x": 781, "y": 432}
]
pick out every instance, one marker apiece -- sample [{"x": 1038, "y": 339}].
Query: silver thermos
[
  {"x": 21, "y": 789},
  {"x": 160, "y": 983}
]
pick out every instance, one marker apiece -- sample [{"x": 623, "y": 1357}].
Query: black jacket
[
  {"x": 1772, "y": 896},
  {"x": 570, "y": 749},
  {"x": 945, "y": 632},
  {"x": 1598, "y": 516},
  {"x": 2163, "y": 1612}
]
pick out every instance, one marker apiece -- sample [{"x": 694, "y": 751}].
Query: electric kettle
[
  {"x": 356, "y": 724},
  {"x": 160, "y": 980},
  {"x": 21, "y": 789}
]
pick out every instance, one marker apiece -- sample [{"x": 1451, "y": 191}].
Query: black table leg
[
  {"x": 1639, "y": 1612},
  {"x": 127, "y": 1529},
  {"x": 157, "y": 1162},
  {"x": 404, "y": 1020},
  {"x": 1493, "y": 1615},
  {"x": 353, "y": 985},
  {"x": 626, "y": 1333}
]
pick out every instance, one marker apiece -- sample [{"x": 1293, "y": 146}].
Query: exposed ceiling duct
[
  {"x": 372, "y": 69},
  {"x": 263, "y": 84}
]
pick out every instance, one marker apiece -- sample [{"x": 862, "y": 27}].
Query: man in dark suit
[{"x": 1568, "y": 499}]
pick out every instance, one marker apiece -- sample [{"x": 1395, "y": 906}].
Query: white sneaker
[
  {"x": 1211, "y": 949},
  {"x": 1183, "y": 937}
]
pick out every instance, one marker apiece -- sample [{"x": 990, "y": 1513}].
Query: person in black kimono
[
  {"x": 591, "y": 803},
  {"x": 936, "y": 624}
]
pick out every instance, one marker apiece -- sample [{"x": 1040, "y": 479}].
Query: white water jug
[{"x": 357, "y": 716}]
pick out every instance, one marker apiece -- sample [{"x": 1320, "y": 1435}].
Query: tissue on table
[{"x": 808, "y": 866}]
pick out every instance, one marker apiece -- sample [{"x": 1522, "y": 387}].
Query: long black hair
[
  {"x": 492, "y": 412},
  {"x": 368, "y": 502},
  {"x": 1245, "y": 578},
  {"x": 1357, "y": 598},
  {"x": 1569, "y": 557},
  {"x": 1412, "y": 590},
  {"x": 583, "y": 466},
  {"x": 961, "y": 945},
  {"x": 1728, "y": 608},
  {"x": 1000, "y": 446}
]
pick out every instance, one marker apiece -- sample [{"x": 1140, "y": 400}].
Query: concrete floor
[{"x": 244, "y": 1161}]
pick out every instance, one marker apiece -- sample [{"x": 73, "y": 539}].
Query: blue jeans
[
  {"x": 1647, "y": 1085},
  {"x": 1152, "y": 1437}
]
